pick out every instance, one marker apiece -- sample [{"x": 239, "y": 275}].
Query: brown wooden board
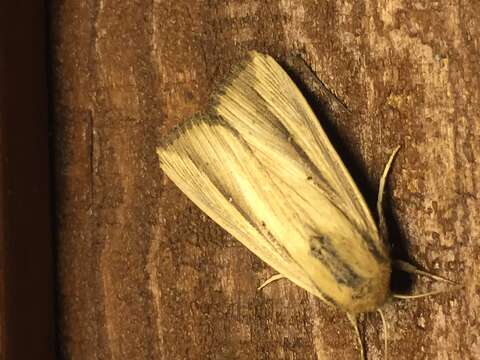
[
  {"x": 26, "y": 255},
  {"x": 144, "y": 274}
]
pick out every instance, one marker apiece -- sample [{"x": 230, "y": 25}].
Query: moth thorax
[
  {"x": 372, "y": 292},
  {"x": 358, "y": 283}
]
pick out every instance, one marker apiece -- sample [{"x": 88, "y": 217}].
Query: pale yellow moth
[{"x": 261, "y": 166}]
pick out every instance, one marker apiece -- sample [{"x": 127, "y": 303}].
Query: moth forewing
[
  {"x": 193, "y": 158},
  {"x": 266, "y": 108}
]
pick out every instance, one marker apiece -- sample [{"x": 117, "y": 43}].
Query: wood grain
[{"x": 144, "y": 274}]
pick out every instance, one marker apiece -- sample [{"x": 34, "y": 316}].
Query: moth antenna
[
  {"x": 385, "y": 333},
  {"x": 430, "y": 293},
  {"x": 354, "y": 320},
  {"x": 412, "y": 269},
  {"x": 270, "y": 280},
  {"x": 325, "y": 92},
  {"x": 381, "y": 190}
]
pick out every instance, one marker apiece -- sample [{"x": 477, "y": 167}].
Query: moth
[{"x": 261, "y": 166}]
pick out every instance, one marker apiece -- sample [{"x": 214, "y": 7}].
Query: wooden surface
[
  {"x": 26, "y": 245},
  {"x": 144, "y": 274}
]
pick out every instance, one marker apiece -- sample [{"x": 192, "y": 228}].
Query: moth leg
[
  {"x": 381, "y": 190},
  {"x": 412, "y": 269},
  {"x": 354, "y": 320},
  {"x": 270, "y": 280}
]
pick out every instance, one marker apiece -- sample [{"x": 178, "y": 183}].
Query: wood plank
[{"x": 144, "y": 274}]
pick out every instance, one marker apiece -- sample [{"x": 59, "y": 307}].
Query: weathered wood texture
[{"x": 143, "y": 274}]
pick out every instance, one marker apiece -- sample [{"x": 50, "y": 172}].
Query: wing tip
[
  {"x": 235, "y": 72},
  {"x": 169, "y": 141},
  {"x": 177, "y": 131},
  {"x": 211, "y": 115},
  {"x": 171, "y": 137}
]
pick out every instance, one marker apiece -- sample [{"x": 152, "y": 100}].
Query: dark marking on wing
[
  {"x": 322, "y": 249},
  {"x": 373, "y": 248}
]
